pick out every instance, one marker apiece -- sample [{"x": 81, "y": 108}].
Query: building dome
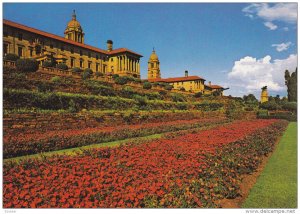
[
  {"x": 153, "y": 56},
  {"x": 73, "y": 24}
]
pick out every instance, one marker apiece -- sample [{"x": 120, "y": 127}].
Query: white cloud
[
  {"x": 282, "y": 12},
  {"x": 270, "y": 25},
  {"x": 282, "y": 46},
  {"x": 286, "y": 12},
  {"x": 249, "y": 74}
]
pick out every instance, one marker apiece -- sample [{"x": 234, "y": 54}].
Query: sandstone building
[
  {"x": 193, "y": 84},
  {"x": 28, "y": 42}
]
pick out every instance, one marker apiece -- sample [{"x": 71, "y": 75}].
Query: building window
[
  {"x": 97, "y": 67},
  {"x": 152, "y": 65},
  {"x": 5, "y": 34},
  {"x": 69, "y": 36},
  {"x": 89, "y": 65},
  {"x": 112, "y": 59},
  {"x": 80, "y": 52},
  {"x": 20, "y": 36},
  {"x": 72, "y": 62},
  {"x": 89, "y": 54},
  {"x": 97, "y": 57},
  {"x": 5, "y": 49},
  {"x": 38, "y": 50},
  {"x": 31, "y": 52},
  {"x": 72, "y": 50},
  {"x": 51, "y": 45},
  {"x": 81, "y": 63},
  {"x": 20, "y": 51}
]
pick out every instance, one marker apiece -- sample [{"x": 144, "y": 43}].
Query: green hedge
[
  {"x": 288, "y": 117},
  {"x": 55, "y": 101}
]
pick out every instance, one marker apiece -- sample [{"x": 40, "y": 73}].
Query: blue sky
[{"x": 227, "y": 44}]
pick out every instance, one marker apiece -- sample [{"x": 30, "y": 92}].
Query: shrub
[
  {"x": 56, "y": 80},
  {"x": 178, "y": 97},
  {"x": 87, "y": 73},
  {"x": 62, "y": 66},
  {"x": 48, "y": 64},
  {"x": 44, "y": 87},
  {"x": 142, "y": 101},
  {"x": 11, "y": 57},
  {"x": 270, "y": 105},
  {"x": 147, "y": 85},
  {"x": 99, "y": 74},
  {"x": 27, "y": 65},
  {"x": 182, "y": 89},
  {"x": 115, "y": 76},
  {"x": 121, "y": 80},
  {"x": 72, "y": 106},
  {"x": 76, "y": 70},
  {"x": 290, "y": 106},
  {"x": 262, "y": 113},
  {"x": 127, "y": 92},
  {"x": 168, "y": 87},
  {"x": 198, "y": 94}
]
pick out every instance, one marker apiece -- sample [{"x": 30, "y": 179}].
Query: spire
[
  {"x": 153, "y": 50},
  {"x": 73, "y": 15}
]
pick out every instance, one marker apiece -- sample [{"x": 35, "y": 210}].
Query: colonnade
[{"x": 126, "y": 63}]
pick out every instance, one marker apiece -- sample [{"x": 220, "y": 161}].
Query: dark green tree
[{"x": 291, "y": 83}]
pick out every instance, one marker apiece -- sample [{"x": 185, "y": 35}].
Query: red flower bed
[
  {"x": 26, "y": 144},
  {"x": 179, "y": 172}
]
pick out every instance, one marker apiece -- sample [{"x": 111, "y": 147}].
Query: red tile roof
[
  {"x": 62, "y": 39},
  {"x": 214, "y": 86},
  {"x": 176, "y": 79}
]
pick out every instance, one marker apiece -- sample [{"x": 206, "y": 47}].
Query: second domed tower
[
  {"x": 74, "y": 31},
  {"x": 153, "y": 66}
]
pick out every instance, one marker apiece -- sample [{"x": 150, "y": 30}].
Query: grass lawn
[{"x": 277, "y": 185}]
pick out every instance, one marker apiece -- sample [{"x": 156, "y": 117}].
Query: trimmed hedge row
[
  {"x": 58, "y": 100},
  {"x": 288, "y": 117}
]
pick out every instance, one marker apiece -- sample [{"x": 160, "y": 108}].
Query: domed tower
[
  {"x": 153, "y": 66},
  {"x": 74, "y": 31},
  {"x": 264, "y": 95}
]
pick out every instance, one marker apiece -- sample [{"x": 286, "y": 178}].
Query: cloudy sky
[{"x": 240, "y": 46}]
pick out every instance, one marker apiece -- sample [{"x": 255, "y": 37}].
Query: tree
[
  {"x": 291, "y": 83},
  {"x": 250, "y": 98},
  {"x": 27, "y": 65}
]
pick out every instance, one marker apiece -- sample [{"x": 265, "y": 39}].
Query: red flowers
[{"x": 181, "y": 172}]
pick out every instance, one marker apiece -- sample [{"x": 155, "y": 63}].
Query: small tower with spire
[
  {"x": 73, "y": 30},
  {"x": 153, "y": 66},
  {"x": 264, "y": 95}
]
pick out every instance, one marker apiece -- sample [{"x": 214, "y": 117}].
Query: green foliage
[
  {"x": 234, "y": 109},
  {"x": 87, "y": 73},
  {"x": 121, "y": 80},
  {"x": 72, "y": 106},
  {"x": 291, "y": 83},
  {"x": 59, "y": 100},
  {"x": 56, "y": 80},
  {"x": 270, "y": 105},
  {"x": 290, "y": 106},
  {"x": 11, "y": 57},
  {"x": 147, "y": 85},
  {"x": 168, "y": 87},
  {"x": 62, "y": 66},
  {"x": 262, "y": 113},
  {"x": 198, "y": 94},
  {"x": 178, "y": 97},
  {"x": 44, "y": 87},
  {"x": 27, "y": 65},
  {"x": 209, "y": 106},
  {"x": 99, "y": 74},
  {"x": 76, "y": 70},
  {"x": 48, "y": 64},
  {"x": 115, "y": 76},
  {"x": 141, "y": 101}
]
